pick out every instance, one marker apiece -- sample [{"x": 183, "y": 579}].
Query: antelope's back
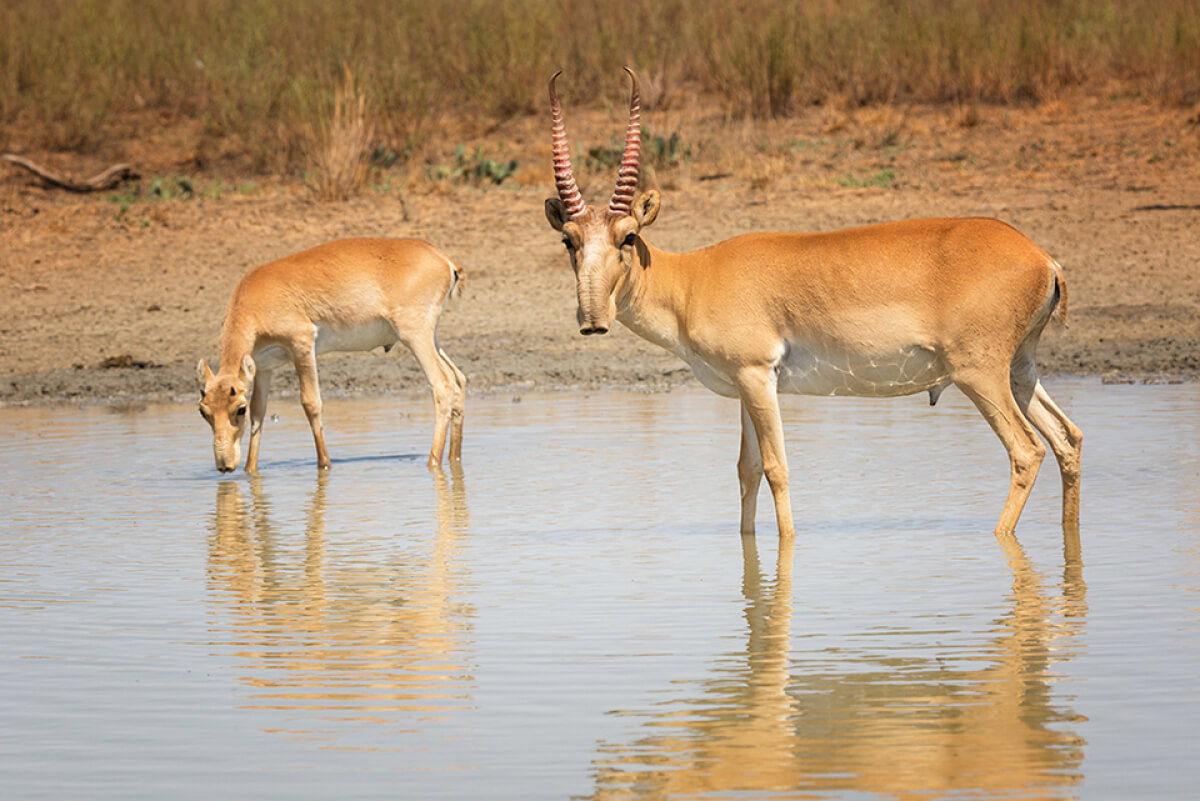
[
  {"x": 934, "y": 268},
  {"x": 349, "y": 280}
]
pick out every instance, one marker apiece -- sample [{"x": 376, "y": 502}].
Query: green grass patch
[
  {"x": 476, "y": 168},
  {"x": 884, "y": 179}
]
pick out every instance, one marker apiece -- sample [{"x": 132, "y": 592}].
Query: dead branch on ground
[{"x": 97, "y": 183}]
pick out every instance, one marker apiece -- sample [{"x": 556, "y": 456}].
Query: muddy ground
[{"x": 102, "y": 299}]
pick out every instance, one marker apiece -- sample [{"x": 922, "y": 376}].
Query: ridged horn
[
  {"x": 627, "y": 175},
  {"x": 564, "y": 176}
]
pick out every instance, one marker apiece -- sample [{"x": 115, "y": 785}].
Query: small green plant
[
  {"x": 476, "y": 169},
  {"x": 123, "y": 200},
  {"x": 1163, "y": 152},
  {"x": 659, "y": 152},
  {"x": 156, "y": 189},
  {"x": 172, "y": 188},
  {"x": 669, "y": 152},
  {"x": 383, "y": 156},
  {"x": 884, "y": 179}
]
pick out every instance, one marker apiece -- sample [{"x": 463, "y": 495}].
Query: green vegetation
[
  {"x": 884, "y": 179},
  {"x": 263, "y": 76},
  {"x": 658, "y": 152},
  {"x": 167, "y": 188},
  {"x": 476, "y": 169}
]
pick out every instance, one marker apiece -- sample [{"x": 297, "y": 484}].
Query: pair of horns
[{"x": 627, "y": 174}]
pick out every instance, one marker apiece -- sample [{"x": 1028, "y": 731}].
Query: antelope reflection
[
  {"x": 895, "y": 724},
  {"x": 351, "y": 636}
]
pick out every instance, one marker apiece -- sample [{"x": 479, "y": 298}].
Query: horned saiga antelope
[
  {"x": 349, "y": 295},
  {"x": 880, "y": 311}
]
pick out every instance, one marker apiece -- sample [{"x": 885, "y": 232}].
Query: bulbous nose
[
  {"x": 587, "y": 329},
  {"x": 225, "y": 468}
]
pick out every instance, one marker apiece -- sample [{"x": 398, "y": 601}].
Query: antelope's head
[
  {"x": 602, "y": 243},
  {"x": 223, "y": 405}
]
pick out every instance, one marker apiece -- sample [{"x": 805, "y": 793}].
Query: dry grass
[
  {"x": 340, "y": 150},
  {"x": 254, "y": 76}
]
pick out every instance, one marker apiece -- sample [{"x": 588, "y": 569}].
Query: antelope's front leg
[
  {"x": 258, "y": 411},
  {"x": 310, "y": 398},
  {"x": 760, "y": 400},
  {"x": 750, "y": 471}
]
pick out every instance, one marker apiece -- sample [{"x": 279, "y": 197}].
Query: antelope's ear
[
  {"x": 646, "y": 207},
  {"x": 203, "y": 373},
  {"x": 556, "y": 213},
  {"x": 248, "y": 368}
]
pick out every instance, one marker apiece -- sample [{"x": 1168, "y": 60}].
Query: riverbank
[{"x": 111, "y": 298}]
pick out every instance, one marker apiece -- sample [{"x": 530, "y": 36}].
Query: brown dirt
[{"x": 96, "y": 304}]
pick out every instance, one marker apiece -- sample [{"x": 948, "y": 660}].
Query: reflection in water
[
  {"x": 903, "y": 722},
  {"x": 348, "y": 635}
]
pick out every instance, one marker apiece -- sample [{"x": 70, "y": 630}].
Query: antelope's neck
[
  {"x": 237, "y": 342},
  {"x": 649, "y": 302}
]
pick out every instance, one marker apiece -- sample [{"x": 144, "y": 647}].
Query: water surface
[{"x": 574, "y": 615}]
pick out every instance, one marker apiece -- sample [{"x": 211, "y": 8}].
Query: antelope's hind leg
[
  {"x": 1065, "y": 438},
  {"x": 448, "y": 393},
  {"x": 992, "y": 395},
  {"x": 457, "y": 407}
]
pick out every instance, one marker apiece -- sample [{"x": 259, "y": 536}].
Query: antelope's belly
[
  {"x": 804, "y": 370},
  {"x": 370, "y": 335}
]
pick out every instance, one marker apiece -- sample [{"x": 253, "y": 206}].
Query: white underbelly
[
  {"x": 802, "y": 370},
  {"x": 368, "y": 336},
  {"x": 377, "y": 333},
  {"x": 805, "y": 371}
]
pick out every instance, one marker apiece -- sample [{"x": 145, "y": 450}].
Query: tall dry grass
[
  {"x": 257, "y": 72},
  {"x": 340, "y": 146}
]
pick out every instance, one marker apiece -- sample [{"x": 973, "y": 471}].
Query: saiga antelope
[
  {"x": 880, "y": 311},
  {"x": 353, "y": 294}
]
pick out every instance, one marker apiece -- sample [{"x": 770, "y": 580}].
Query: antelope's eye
[
  {"x": 241, "y": 412},
  {"x": 629, "y": 240}
]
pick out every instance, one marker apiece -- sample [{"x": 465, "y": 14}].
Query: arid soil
[{"x": 101, "y": 302}]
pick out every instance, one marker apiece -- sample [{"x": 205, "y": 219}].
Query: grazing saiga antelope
[
  {"x": 880, "y": 311},
  {"x": 353, "y": 294}
]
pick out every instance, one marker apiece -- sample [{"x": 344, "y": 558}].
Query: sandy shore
[{"x": 104, "y": 304}]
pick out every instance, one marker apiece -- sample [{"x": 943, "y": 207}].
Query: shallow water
[{"x": 574, "y": 615}]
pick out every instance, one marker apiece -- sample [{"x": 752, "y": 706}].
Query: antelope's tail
[
  {"x": 457, "y": 277},
  {"x": 1059, "y": 315}
]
